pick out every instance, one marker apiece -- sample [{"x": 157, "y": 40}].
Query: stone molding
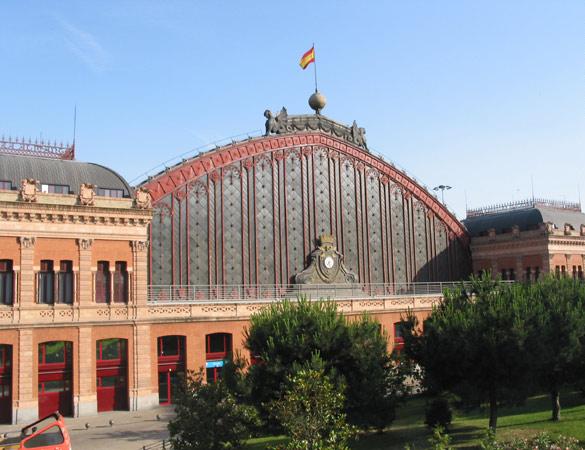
[{"x": 97, "y": 314}]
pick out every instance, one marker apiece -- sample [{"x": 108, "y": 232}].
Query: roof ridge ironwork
[
  {"x": 523, "y": 204},
  {"x": 36, "y": 148}
]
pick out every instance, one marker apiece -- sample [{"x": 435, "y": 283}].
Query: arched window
[
  {"x": 121, "y": 282},
  {"x": 171, "y": 366},
  {"x": 102, "y": 282},
  {"x": 6, "y": 282},
  {"x": 218, "y": 348},
  {"x": 398, "y": 337},
  {"x": 46, "y": 283}
]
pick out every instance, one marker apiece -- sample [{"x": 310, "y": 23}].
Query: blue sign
[{"x": 214, "y": 364}]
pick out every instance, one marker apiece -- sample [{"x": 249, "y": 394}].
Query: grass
[{"x": 469, "y": 427}]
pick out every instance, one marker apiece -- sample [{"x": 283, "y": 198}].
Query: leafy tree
[
  {"x": 311, "y": 413},
  {"x": 209, "y": 417},
  {"x": 475, "y": 343},
  {"x": 288, "y": 334},
  {"x": 558, "y": 334}
]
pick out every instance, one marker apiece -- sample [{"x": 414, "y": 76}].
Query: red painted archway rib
[{"x": 209, "y": 162}]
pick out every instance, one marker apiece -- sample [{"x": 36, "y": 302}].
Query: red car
[{"x": 48, "y": 433}]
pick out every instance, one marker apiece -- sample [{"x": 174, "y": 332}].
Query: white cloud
[{"x": 85, "y": 46}]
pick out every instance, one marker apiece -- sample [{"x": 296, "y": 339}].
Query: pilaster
[
  {"x": 27, "y": 408},
  {"x": 142, "y": 395},
  {"x": 86, "y": 400},
  {"x": 85, "y": 294},
  {"x": 27, "y": 274},
  {"x": 139, "y": 274}
]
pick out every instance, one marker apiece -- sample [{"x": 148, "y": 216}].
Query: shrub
[
  {"x": 438, "y": 412},
  {"x": 440, "y": 440},
  {"x": 311, "y": 413},
  {"x": 209, "y": 417},
  {"x": 543, "y": 441}
]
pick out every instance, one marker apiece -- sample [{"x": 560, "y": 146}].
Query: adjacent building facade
[{"x": 522, "y": 240}]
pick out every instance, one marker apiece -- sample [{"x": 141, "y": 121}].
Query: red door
[
  {"x": 171, "y": 366},
  {"x": 112, "y": 375},
  {"x": 112, "y": 389},
  {"x": 5, "y": 383},
  {"x": 55, "y": 378}
]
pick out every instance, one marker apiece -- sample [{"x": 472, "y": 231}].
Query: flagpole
[{"x": 315, "y": 66}]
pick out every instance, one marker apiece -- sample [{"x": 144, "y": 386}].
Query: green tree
[
  {"x": 208, "y": 417},
  {"x": 558, "y": 334},
  {"x": 475, "y": 343},
  {"x": 311, "y": 413},
  {"x": 288, "y": 334}
]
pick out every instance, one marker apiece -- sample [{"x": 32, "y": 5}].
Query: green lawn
[{"x": 468, "y": 428}]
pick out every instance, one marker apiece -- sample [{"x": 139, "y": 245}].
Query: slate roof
[
  {"x": 14, "y": 168},
  {"x": 526, "y": 218}
]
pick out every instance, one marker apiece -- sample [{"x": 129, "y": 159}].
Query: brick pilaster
[
  {"x": 86, "y": 401},
  {"x": 27, "y": 405},
  {"x": 27, "y": 274},
  {"x": 85, "y": 294},
  {"x": 142, "y": 396}
]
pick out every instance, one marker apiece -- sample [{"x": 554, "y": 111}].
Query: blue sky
[{"x": 479, "y": 95}]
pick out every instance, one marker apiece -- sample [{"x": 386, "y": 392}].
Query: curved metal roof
[
  {"x": 173, "y": 178},
  {"x": 14, "y": 168},
  {"x": 525, "y": 219}
]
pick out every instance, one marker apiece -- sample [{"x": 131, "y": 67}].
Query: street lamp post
[{"x": 442, "y": 188}]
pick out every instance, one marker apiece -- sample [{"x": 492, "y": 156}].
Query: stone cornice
[{"x": 64, "y": 214}]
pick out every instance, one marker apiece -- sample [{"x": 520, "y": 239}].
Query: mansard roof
[
  {"x": 526, "y": 215},
  {"x": 15, "y": 168}
]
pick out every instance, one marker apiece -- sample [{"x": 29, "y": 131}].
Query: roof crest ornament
[{"x": 282, "y": 123}]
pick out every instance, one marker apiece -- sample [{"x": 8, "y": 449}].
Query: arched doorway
[
  {"x": 218, "y": 348},
  {"x": 112, "y": 374},
  {"x": 5, "y": 383},
  {"x": 55, "y": 378},
  {"x": 171, "y": 366}
]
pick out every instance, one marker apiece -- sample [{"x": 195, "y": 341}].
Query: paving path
[{"x": 130, "y": 431}]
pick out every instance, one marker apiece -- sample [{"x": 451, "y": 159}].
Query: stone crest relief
[
  {"x": 326, "y": 265},
  {"x": 142, "y": 198},
  {"x": 87, "y": 194},
  {"x": 28, "y": 190}
]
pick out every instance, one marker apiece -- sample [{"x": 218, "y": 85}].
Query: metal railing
[
  {"x": 264, "y": 292},
  {"x": 162, "y": 445}
]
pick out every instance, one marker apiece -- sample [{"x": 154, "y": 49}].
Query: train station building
[{"x": 109, "y": 292}]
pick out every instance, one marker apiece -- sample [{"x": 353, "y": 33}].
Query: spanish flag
[{"x": 308, "y": 58}]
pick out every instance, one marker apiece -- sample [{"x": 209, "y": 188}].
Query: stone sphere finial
[{"x": 317, "y": 102}]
